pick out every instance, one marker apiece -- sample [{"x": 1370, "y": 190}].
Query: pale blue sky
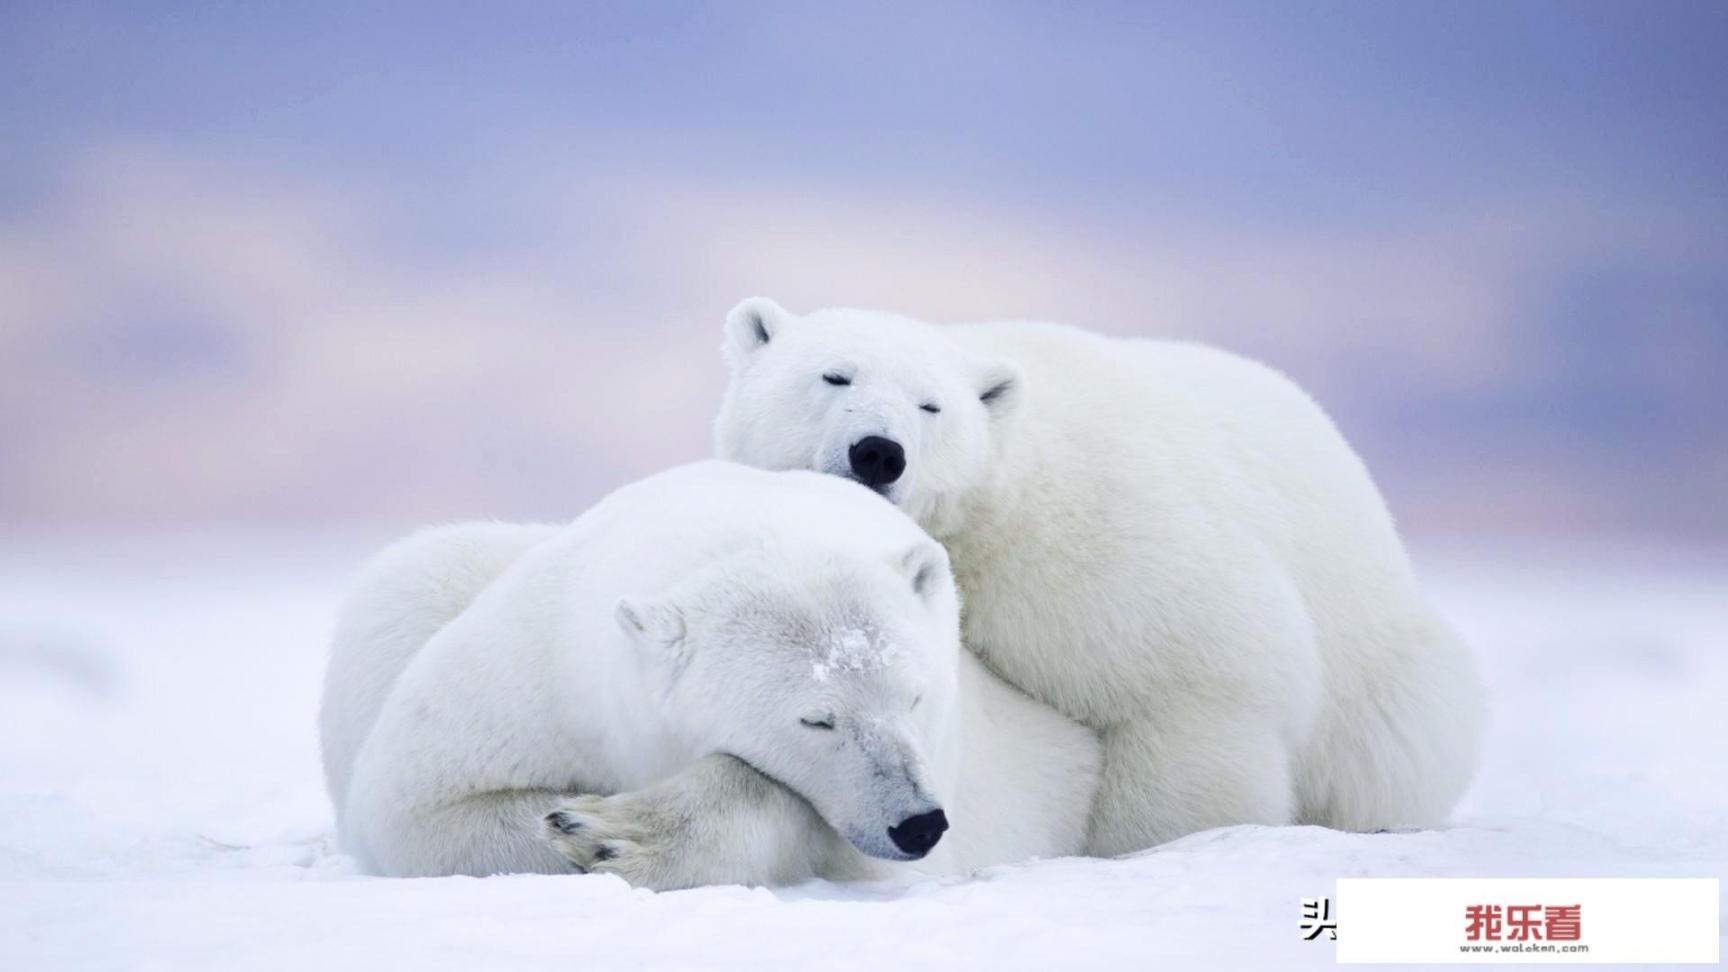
[{"x": 242, "y": 247}]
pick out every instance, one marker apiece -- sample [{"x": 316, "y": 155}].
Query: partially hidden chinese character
[{"x": 1317, "y": 919}]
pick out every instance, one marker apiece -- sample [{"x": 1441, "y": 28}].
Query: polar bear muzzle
[
  {"x": 917, "y": 834},
  {"x": 877, "y": 461}
]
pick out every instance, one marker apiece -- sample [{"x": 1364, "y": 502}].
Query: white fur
[
  {"x": 1163, "y": 541},
  {"x": 640, "y": 681}
]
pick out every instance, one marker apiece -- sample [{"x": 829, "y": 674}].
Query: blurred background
[{"x": 362, "y": 266}]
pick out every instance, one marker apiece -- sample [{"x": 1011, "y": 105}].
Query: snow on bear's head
[
  {"x": 831, "y": 672},
  {"x": 880, "y": 399}
]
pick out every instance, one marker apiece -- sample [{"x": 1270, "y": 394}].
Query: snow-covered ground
[{"x": 161, "y": 804}]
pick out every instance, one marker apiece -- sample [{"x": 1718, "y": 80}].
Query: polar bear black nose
[
  {"x": 877, "y": 461},
  {"x": 916, "y": 835}
]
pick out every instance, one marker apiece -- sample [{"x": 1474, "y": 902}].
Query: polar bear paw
[{"x": 607, "y": 835}]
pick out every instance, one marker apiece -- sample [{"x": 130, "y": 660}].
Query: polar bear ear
[
  {"x": 1001, "y": 386},
  {"x": 659, "y": 627},
  {"x": 925, "y": 567},
  {"x": 751, "y": 326}
]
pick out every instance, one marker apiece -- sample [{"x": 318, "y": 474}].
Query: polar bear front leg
[
  {"x": 475, "y": 833},
  {"x": 717, "y": 822},
  {"x": 1178, "y": 772}
]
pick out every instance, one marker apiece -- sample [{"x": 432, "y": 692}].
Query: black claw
[
  {"x": 563, "y": 823},
  {"x": 605, "y": 853}
]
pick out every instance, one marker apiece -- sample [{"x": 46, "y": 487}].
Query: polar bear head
[
  {"x": 884, "y": 400},
  {"x": 832, "y": 672}
]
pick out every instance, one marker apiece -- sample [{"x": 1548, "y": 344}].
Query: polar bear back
[
  {"x": 1178, "y": 472},
  {"x": 401, "y": 598},
  {"x": 1164, "y": 441}
]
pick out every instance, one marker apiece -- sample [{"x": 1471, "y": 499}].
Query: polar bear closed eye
[
  {"x": 716, "y": 675},
  {"x": 1165, "y": 542}
]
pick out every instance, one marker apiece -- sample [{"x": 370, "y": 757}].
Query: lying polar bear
[
  {"x": 716, "y": 675},
  {"x": 1165, "y": 542}
]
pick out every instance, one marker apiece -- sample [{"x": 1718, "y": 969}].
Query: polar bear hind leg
[{"x": 1397, "y": 750}]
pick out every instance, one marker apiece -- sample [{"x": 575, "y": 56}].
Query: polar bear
[
  {"x": 1165, "y": 542},
  {"x": 715, "y": 675}
]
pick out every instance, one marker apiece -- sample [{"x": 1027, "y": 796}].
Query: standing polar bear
[
  {"x": 716, "y": 675},
  {"x": 1165, "y": 542}
]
